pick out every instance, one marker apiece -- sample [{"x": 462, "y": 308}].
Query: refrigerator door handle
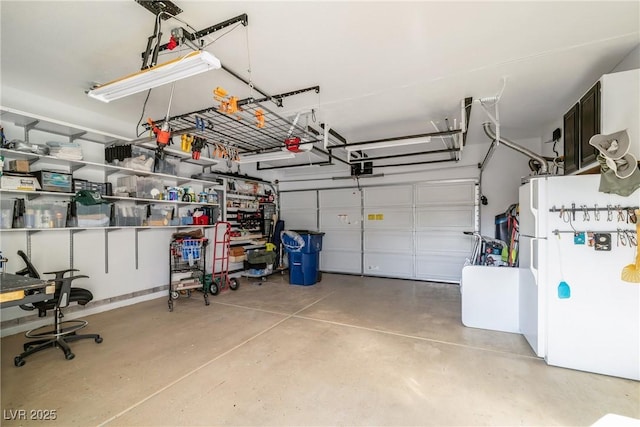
[
  {"x": 533, "y": 260},
  {"x": 533, "y": 198}
]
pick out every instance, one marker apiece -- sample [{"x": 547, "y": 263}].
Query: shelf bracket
[
  {"x": 70, "y": 248},
  {"x": 71, "y": 240},
  {"x": 106, "y": 251},
  {"x": 76, "y": 136},
  {"x": 28, "y": 127}
]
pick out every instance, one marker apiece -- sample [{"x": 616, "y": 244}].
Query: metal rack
[
  {"x": 187, "y": 261},
  {"x": 241, "y": 130}
]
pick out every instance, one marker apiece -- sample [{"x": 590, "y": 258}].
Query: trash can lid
[{"x": 314, "y": 233}]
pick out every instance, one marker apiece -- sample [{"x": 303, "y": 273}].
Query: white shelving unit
[
  {"x": 35, "y": 129},
  {"x": 30, "y": 123},
  {"x": 245, "y": 199}
]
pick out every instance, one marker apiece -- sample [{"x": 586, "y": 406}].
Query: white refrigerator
[{"x": 593, "y": 323}]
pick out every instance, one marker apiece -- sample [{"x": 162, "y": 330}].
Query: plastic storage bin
[
  {"x": 55, "y": 181},
  {"x": 191, "y": 250},
  {"x": 161, "y": 216},
  {"x": 93, "y": 215},
  {"x": 131, "y": 157},
  {"x": 168, "y": 166},
  {"x": 128, "y": 215},
  {"x": 104, "y": 188},
  {"x": 45, "y": 214},
  {"x": 144, "y": 187},
  {"x": 6, "y": 213}
]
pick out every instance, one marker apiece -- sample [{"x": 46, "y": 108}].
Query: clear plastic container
[
  {"x": 161, "y": 215},
  {"x": 129, "y": 215},
  {"x": 93, "y": 215},
  {"x": 6, "y": 213},
  {"x": 168, "y": 166},
  {"x": 45, "y": 214}
]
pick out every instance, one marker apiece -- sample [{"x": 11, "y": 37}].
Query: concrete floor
[{"x": 346, "y": 351}]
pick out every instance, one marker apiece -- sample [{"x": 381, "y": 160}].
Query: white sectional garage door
[
  {"x": 340, "y": 220},
  {"x": 443, "y": 211},
  {"x": 388, "y": 231},
  {"x": 412, "y": 231}
]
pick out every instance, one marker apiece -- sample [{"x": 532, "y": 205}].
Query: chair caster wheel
[
  {"x": 69, "y": 356},
  {"x": 99, "y": 340},
  {"x": 18, "y": 361}
]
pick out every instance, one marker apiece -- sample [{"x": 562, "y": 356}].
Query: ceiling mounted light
[
  {"x": 263, "y": 157},
  {"x": 387, "y": 143},
  {"x": 186, "y": 66}
]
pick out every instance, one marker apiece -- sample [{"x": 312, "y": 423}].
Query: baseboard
[{"x": 23, "y": 324}]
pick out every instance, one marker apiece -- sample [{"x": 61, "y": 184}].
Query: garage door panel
[
  {"x": 443, "y": 241},
  {"x": 298, "y": 199},
  {"x": 447, "y": 268},
  {"x": 386, "y": 218},
  {"x": 339, "y": 198},
  {"x": 390, "y": 265},
  {"x": 347, "y": 218},
  {"x": 389, "y": 241},
  {"x": 299, "y": 219},
  {"x": 341, "y": 240},
  {"x": 339, "y": 261},
  {"x": 450, "y": 193},
  {"x": 462, "y": 218},
  {"x": 389, "y": 196}
]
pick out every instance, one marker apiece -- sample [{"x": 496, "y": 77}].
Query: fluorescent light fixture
[
  {"x": 262, "y": 157},
  {"x": 387, "y": 144},
  {"x": 185, "y": 66}
]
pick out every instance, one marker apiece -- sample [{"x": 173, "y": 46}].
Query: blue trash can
[{"x": 304, "y": 259}]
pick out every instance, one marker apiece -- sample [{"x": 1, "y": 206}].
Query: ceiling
[{"x": 385, "y": 69}]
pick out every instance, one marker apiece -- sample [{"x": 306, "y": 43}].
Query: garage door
[{"x": 412, "y": 231}]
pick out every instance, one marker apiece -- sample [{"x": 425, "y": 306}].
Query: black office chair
[{"x": 62, "y": 332}]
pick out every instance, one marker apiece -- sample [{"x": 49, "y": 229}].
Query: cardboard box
[
  {"x": 18, "y": 165},
  {"x": 15, "y": 182},
  {"x": 237, "y": 258},
  {"x": 236, "y": 251}
]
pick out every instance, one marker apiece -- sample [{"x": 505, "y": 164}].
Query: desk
[{"x": 13, "y": 290}]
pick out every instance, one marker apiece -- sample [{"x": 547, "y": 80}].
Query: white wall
[
  {"x": 630, "y": 62},
  {"x": 501, "y": 180}
]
